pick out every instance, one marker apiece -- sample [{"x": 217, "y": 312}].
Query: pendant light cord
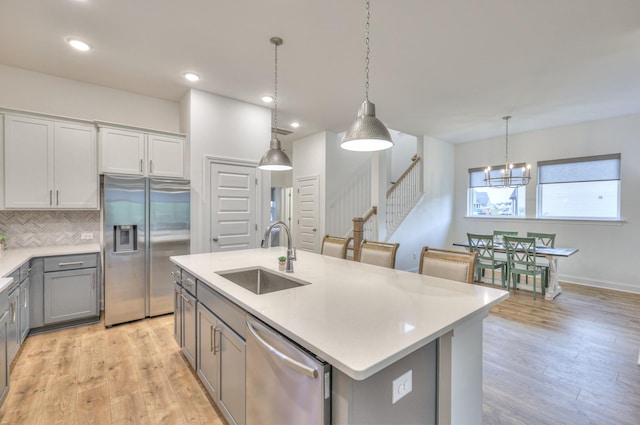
[
  {"x": 366, "y": 66},
  {"x": 275, "y": 93}
]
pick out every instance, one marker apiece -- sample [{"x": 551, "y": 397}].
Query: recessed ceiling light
[
  {"x": 191, "y": 76},
  {"x": 295, "y": 124},
  {"x": 267, "y": 99},
  {"x": 78, "y": 44}
]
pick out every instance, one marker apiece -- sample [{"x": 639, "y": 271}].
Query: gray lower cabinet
[
  {"x": 70, "y": 288},
  {"x": 189, "y": 327},
  {"x": 207, "y": 365},
  {"x": 177, "y": 313},
  {"x": 70, "y": 295},
  {"x": 24, "y": 309},
  {"x": 4, "y": 361},
  {"x": 13, "y": 326},
  {"x": 221, "y": 352}
]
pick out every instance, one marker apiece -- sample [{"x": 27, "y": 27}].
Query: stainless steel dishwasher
[{"x": 285, "y": 384}]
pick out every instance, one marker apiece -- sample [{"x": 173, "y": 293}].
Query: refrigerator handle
[{"x": 293, "y": 364}]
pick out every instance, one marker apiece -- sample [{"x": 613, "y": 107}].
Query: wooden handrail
[
  {"x": 414, "y": 161},
  {"x": 358, "y": 230}
]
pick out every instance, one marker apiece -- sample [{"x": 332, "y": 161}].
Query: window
[
  {"x": 587, "y": 188},
  {"x": 485, "y": 201}
]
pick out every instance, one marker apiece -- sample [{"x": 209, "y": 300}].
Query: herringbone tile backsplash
[{"x": 25, "y": 229}]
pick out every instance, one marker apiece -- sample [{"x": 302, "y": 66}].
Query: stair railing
[{"x": 403, "y": 195}]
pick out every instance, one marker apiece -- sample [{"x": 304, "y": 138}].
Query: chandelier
[{"x": 507, "y": 176}]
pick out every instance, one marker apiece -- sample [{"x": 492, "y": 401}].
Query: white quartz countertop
[
  {"x": 359, "y": 318},
  {"x": 12, "y": 258}
]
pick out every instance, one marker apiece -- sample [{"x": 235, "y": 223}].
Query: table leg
[{"x": 553, "y": 288}]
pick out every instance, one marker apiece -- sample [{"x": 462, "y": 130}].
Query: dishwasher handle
[{"x": 293, "y": 364}]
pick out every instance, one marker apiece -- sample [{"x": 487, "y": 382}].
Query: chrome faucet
[{"x": 291, "y": 252}]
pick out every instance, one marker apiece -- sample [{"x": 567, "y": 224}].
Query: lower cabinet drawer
[
  {"x": 230, "y": 313},
  {"x": 70, "y": 295},
  {"x": 70, "y": 262}
]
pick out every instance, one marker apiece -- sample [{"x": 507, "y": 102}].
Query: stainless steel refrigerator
[{"x": 146, "y": 220}]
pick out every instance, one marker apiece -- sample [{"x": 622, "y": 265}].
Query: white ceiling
[{"x": 449, "y": 69}]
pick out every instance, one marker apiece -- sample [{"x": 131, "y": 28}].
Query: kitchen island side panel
[{"x": 370, "y": 401}]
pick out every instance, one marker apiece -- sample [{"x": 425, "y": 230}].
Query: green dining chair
[
  {"x": 521, "y": 260},
  {"x": 548, "y": 240},
  {"x": 502, "y": 233},
  {"x": 482, "y": 245}
]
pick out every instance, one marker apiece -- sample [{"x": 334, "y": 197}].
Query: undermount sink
[{"x": 261, "y": 281}]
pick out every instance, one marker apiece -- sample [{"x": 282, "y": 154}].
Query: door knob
[{"x": 215, "y": 239}]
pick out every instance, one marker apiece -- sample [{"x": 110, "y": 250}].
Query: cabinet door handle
[
  {"x": 51, "y": 197},
  {"x": 57, "y": 197},
  {"x": 26, "y": 297},
  {"x": 216, "y": 345},
  {"x": 13, "y": 312},
  {"x": 211, "y": 338},
  {"x": 93, "y": 281},
  {"x": 150, "y": 166},
  {"x": 186, "y": 299},
  {"x": 140, "y": 166},
  {"x": 71, "y": 263}
]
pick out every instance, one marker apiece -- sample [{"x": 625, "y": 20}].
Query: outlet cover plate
[
  {"x": 86, "y": 236},
  {"x": 401, "y": 386}
]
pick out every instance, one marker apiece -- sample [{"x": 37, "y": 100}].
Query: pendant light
[
  {"x": 367, "y": 134},
  {"x": 275, "y": 159},
  {"x": 506, "y": 177}
]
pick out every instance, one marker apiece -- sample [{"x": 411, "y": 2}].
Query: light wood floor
[
  {"x": 128, "y": 374},
  {"x": 567, "y": 361}
]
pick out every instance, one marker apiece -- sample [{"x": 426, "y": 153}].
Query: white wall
[
  {"x": 405, "y": 147},
  {"x": 310, "y": 160},
  {"x": 36, "y": 92},
  {"x": 428, "y": 224},
  {"x": 607, "y": 249},
  {"x": 225, "y": 128}
]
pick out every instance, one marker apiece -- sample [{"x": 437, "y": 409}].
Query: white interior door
[
  {"x": 233, "y": 207},
  {"x": 307, "y": 206}
]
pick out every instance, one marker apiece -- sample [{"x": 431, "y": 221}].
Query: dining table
[{"x": 550, "y": 254}]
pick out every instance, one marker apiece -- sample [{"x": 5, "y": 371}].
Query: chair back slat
[
  {"x": 482, "y": 245},
  {"x": 543, "y": 239}
]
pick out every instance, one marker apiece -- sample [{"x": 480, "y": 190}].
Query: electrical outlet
[
  {"x": 401, "y": 386},
  {"x": 86, "y": 236}
]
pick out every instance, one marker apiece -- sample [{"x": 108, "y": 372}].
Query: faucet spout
[{"x": 291, "y": 252}]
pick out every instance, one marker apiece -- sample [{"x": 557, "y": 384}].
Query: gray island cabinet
[{"x": 401, "y": 347}]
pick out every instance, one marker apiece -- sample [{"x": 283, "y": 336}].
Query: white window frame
[
  {"x": 543, "y": 180},
  {"x": 471, "y": 186}
]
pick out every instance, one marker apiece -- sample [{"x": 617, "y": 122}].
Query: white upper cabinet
[
  {"x": 122, "y": 151},
  {"x": 166, "y": 156},
  {"x": 142, "y": 154},
  {"x": 49, "y": 164},
  {"x": 75, "y": 166}
]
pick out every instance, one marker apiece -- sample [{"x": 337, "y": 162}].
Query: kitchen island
[{"x": 372, "y": 325}]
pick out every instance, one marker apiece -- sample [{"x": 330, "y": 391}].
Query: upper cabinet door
[
  {"x": 166, "y": 156},
  {"x": 28, "y": 162},
  {"x": 122, "y": 151},
  {"x": 76, "y": 166}
]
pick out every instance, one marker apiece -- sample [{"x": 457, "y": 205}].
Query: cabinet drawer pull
[
  {"x": 216, "y": 345},
  {"x": 71, "y": 263}
]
